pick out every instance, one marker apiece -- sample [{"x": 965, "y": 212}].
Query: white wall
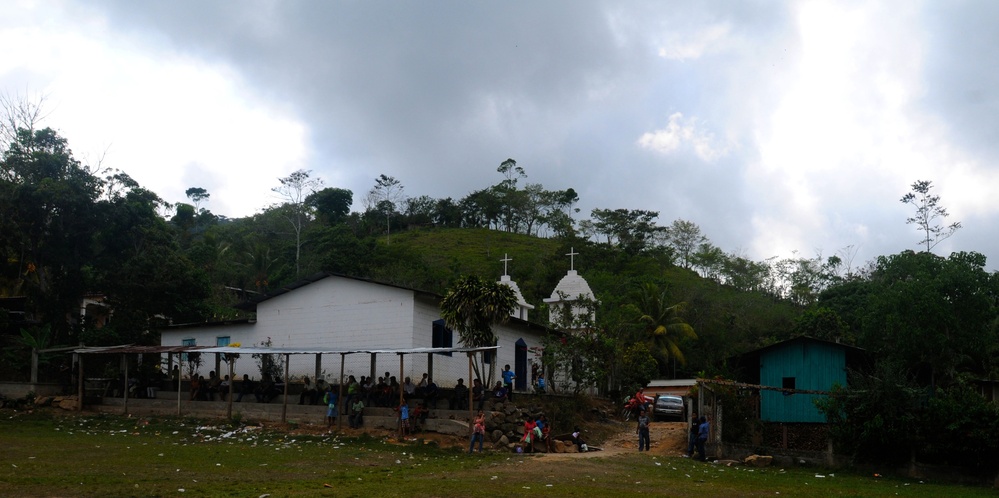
[{"x": 343, "y": 313}]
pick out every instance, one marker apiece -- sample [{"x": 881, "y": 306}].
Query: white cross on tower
[
  {"x": 505, "y": 259},
  {"x": 572, "y": 259}
]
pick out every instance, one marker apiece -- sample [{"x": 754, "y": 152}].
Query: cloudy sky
[{"x": 776, "y": 127}]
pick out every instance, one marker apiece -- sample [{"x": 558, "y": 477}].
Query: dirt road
[{"x": 668, "y": 438}]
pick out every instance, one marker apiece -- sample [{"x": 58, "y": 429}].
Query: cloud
[{"x": 680, "y": 132}]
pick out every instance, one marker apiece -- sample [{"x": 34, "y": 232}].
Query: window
[
  {"x": 222, "y": 341},
  {"x": 443, "y": 337},
  {"x": 186, "y": 342}
]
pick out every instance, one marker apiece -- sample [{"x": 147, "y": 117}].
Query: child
[
  {"x": 403, "y": 410},
  {"x": 330, "y": 399},
  {"x": 478, "y": 431}
]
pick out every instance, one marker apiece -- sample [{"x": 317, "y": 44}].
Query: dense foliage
[{"x": 90, "y": 256}]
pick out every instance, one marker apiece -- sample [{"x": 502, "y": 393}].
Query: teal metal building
[{"x": 802, "y": 363}]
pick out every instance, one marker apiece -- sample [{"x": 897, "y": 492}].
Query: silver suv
[{"x": 668, "y": 407}]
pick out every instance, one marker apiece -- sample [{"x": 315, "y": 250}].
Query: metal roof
[{"x": 131, "y": 349}]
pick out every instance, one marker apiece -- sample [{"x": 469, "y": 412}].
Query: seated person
[
  {"x": 409, "y": 390},
  {"x": 196, "y": 387},
  {"x": 265, "y": 390},
  {"x": 460, "y": 399},
  {"x": 213, "y": 386},
  {"x": 430, "y": 394},
  {"x": 478, "y": 394},
  {"x": 319, "y": 391},
  {"x": 308, "y": 391},
  {"x": 224, "y": 388},
  {"x": 577, "y": 439},
  {"x": 499, "y": 391},
  {"x": 421, "y": 388},
  {"x": 419, "y": 417},
  {"x": 245, "y": 387}
]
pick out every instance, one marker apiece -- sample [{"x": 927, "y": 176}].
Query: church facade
[{"x": 346, "y": 313}]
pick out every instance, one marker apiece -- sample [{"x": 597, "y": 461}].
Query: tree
[
  {"x": 661, "y": 324},
  {"x": 928, "y": 210},
  {"x": 471, "y": 306},
  {"x": 685, "y": 237},
  {"x": 331, "y": 205},
  {"x": 385, "y": 197},
  {"x": 295, "y": 189},
  {"x": 197, "y": 195}
]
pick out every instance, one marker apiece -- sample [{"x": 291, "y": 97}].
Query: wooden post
[
  {"x": 284, "y": 405},
  {"x": 339, "y": 396},
  {"x": 471, "y": 383},
  {"x": 232, "y": 385},
  {"x": 402, "y": 398},
  {"x": 125, "y": 385},
  {"x": 34, "y": 368},
  {"x": 180, "y": 382},
  {"x": 319, "y": 369},
  {"x": 79, "y": 384}
]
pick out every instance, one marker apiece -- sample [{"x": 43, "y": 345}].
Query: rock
[
  {"x": 68, "y": 404},
  {"x": 758, "y": 460},
  {"x": 43, "y": 401},
  {"x": 502, "y": 441}
]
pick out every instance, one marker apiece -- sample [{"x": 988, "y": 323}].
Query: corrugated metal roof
[{"x": 130, "y": 349}]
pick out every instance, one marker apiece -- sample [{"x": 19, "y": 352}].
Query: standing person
[
  {"x": 175, "y": 377},
  {"x": 702, "y": 437},
  {"x": 643, "y": 431},
  {"x": 403, "y": 419},
  {"x": 356, "y": 410},
  {"x": 330, "y": 400},
  {"x": 508, "y": 377},
  {"x": 695, "y": 424},
  {"x": 478, "y": 431},
  {"x": 307, "y": 390}
]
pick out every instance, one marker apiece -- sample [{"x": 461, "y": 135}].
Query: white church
[{"x": 330, "y": 311}]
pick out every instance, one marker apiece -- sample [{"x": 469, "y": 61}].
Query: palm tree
[
  {"x": 470, "y": 307},
  {"x": 661, "y": 324}
]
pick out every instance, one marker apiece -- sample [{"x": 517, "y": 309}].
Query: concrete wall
[{"x": 344, "y": 313}]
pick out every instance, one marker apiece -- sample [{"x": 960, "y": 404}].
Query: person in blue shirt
[
  {"x": 330, "y": 400},
  {"x": 508, "y": 377},
  {"x": 702, "y": 437}
]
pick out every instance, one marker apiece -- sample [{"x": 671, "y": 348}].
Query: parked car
[{"x": 669, "y": 407}]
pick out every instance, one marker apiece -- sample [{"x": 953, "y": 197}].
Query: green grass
[{"x": 94, "y": 455}]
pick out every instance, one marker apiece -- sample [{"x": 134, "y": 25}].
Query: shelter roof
[{"x": 132, "y": 349}]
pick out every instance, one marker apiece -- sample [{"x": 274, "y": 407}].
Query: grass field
[{"x": 44, "y": 454}]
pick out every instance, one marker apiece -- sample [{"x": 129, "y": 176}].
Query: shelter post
[
  {"x": 180, "y": 382},
  {"x": 34, "y": 368},
  {"x": 319, "y": 368},
  {"x": 124, "y": 385},
  {"x": 230, "y": 359},
  {"x": 79, "y": 384},
  {"x": 284, "y": 404},
  {"x": 339, "y": 396},
  {"x": 430, "y": 366},
  {"x": 471, "y": 414},
  {"x": 371, "y": 373},
  {"x": 402, "y": 398}
]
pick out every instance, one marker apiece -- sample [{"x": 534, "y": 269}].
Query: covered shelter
[{"x": 231, "y": 353}]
